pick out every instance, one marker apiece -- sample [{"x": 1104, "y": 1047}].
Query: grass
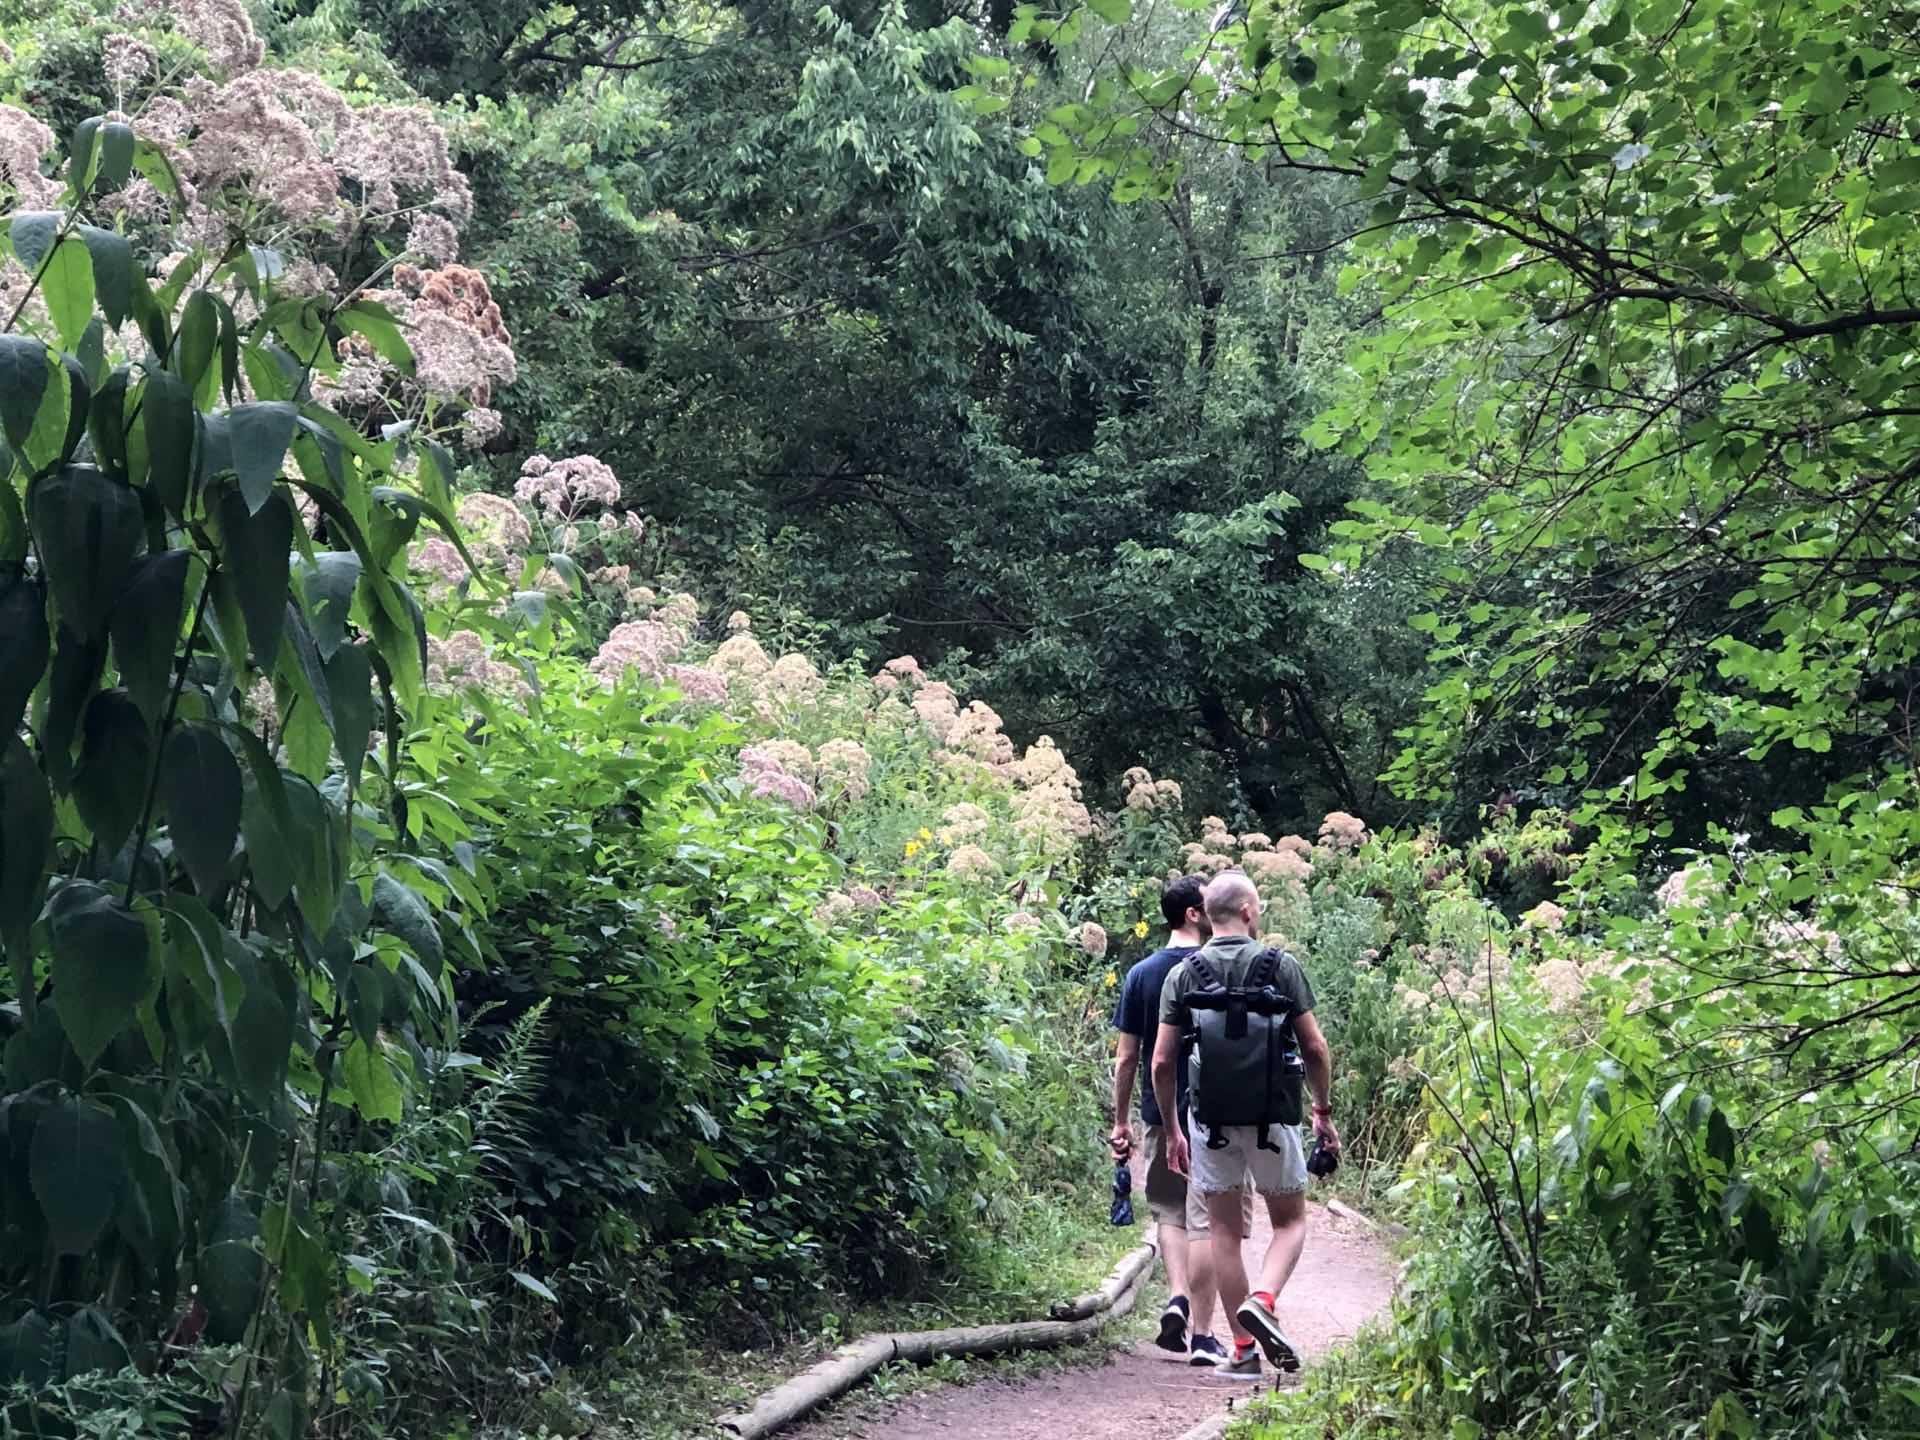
[{"x": 676, "y": 1383}]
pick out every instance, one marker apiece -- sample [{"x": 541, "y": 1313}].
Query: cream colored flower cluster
[{"x": 1145, "y": 794}]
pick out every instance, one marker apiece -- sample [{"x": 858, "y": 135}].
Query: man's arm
[
  {"x": 1166, "y": 1068},
  {"x": 1126, "y": 1067},
  {"x": 1319, "y": 1062}
]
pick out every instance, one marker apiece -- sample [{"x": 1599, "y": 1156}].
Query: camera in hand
[{"x": 1322, "y": 1162}]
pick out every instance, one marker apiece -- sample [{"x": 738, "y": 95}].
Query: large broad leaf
[
  {"x": 260, "y": 434},
  {"x": 195, "y": 345},
  {"x": 77, "y": 664},
  {"x": 66, "y": 284},
  {"x": 112, "y": 259},
  {"x": 80, "y": 401},
  {"x": 302, "y": 666},
  {"x": 104, "y": 968},
  {"x": 350, "y": 680},
  {"x": 117, "y": 144},
  {"x": 375, "y": 322},
  {"x": 200, "y": 782},
  {"x": 23, "y": 384},
  {"x": 26, "y": 840},
  {"x": 399, "y": 910},
  {"x": 24, "y": 646},
  {"x": 171, "y": 424},
  {"x": 107, "y": 423},
  {"x": 262, "y": 1031},
  {"x": 328, "y": 581},
  {"x": 88, "y": 527},
  {"x": 31, "y": 1350},
  {"x": 34, "y": 234},
  {"x": 231, "y": 1275},
  {"x": 94, "y": 1347},
  {"x": 116, "y": 758},
  {"x": 77, "y": 1170},
  {"x": 266, "y": 821},
  {"x": 370, "y": 1080},
  {"x": 318, "y": 851},
  {"x": 145, "y": 627},
  {"x": 255, "y": 542},
  {"x": 150, "y": 1206}
]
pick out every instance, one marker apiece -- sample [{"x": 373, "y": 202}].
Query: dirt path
[{"x": 1345, "y": 1278}]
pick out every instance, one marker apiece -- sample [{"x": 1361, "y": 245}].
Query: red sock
[
  {"x": 1241, "y": 1347},
  {"x": 1266, "y": 1297}
]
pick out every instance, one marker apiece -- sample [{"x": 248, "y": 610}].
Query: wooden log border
[{"x": 1073, "y": 1321}]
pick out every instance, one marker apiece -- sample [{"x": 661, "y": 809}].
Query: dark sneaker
[
  {"x": 1260, "y": 1322},
  {"x": 1245, "y": 1364},
  {"x": 1173, "y": 1326},
  {"x": 1207, "y": 1351}
]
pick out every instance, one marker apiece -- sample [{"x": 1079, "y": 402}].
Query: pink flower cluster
[
  {"x": 1144, "y": 793},
  {"x": 645, "y": 646},
  {"x": 463, "y": 660},
  {"x": 698, "y": 684},
  {"x": 563, "y": 488},
  {"x": 901, "y": 670},
  {"x": 970, "y": 862},
  {"x": 765, "y": 768},
  {"x": 24, "y": 143},
  {"x": 1093, "y": 939}
]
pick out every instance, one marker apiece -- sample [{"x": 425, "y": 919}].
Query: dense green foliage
[{"x": 471, "y": 913}]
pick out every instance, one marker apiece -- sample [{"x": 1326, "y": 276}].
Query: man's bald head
[{"x": 1232, "y": 904}]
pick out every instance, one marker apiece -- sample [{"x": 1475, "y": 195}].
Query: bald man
[{"x": 1221, "y": 1166}]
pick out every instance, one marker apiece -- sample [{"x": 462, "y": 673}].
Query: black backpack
[{"x": 1250, "y": 1069}]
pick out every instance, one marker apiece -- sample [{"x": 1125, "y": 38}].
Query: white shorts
[{"x": 1279, "y": 1171}]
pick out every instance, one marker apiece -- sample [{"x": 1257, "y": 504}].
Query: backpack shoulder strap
[
  {"x": 1260, "y": 974},
  {"x": 1202, "y": 970}
]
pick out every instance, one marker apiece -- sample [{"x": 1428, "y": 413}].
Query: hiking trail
[{"x": 1345, "y": 1278}]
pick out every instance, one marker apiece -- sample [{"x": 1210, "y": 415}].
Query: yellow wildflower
[
  {"x": 913, "y": 848},
  {"x": 925, "y": 834},
  {"x": 1113, "y": 978},
  {"x": 1139, "y": 929}
]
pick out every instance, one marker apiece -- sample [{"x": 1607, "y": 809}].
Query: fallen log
[
  {"x": 852, "y": 1363},
  {"x": 1095, "y": 1301}
]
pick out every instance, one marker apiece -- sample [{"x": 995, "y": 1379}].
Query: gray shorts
[
  {"x": 1172, "y": 1201},
  {"x": 1241, "y": 1162}
]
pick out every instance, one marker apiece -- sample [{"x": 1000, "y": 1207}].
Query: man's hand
[
  {"x": 1324, "y": 1131},
  {"x": 1121, "y": 1140},
  {"x": 1178, "y": 1154}
]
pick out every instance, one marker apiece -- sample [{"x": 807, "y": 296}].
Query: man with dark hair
[{"x": 1179, "y": 1213}]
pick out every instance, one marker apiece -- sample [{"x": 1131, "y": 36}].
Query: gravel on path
[{"x": 1345, "y": 1278}]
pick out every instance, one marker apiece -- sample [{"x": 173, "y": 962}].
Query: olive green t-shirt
[{"x": 1231, "y": 957}]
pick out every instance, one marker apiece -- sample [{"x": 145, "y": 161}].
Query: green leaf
[
  {"x": 117, "y": 144},
  {"x": 255, "y": 542},
  {"x": 116, "y": 757},
  {"x": 200, "y": 783},
  {"x": 260, "y": 434},
  {"x": 399, "y": 911},
  {"x": 88, "y": 528},
  {"x": 34, "y": 234},
  {"x": 370, "y": 1079},
  {"x": 1114, "y": 12},
  {"x": 83, "y": 154},
  {"x": 171, "y": 425},
  {"x": 538, "y": 1287},
  {"x": 195, "y": 345},
  {"x": 150, "y": 1208},
  {"x": 327, "y": 581},
  {"x": 94, "y": 1347},
  {"x": 375, "y": 322},
  {"x": 112, "y": 262},
  {"x": 77, "y": 1170},
  {"x": 317, "y": 852},
  {"x": 23, "y": 384},
  {"x": 104, "y": 968},
  {"x": 107, "y": 423},
  {"x": 350, "y": 679},
  {"x": 66, "y": 284},
  {"x": 262, "y": 1030},
  {"x": 26, "y": 842},
  {"x": 231, "y": 1276},
  {"x": 70, "y": 685},
  {"x": 24, "y": 646},
  {"x": 146, "y": 628}
]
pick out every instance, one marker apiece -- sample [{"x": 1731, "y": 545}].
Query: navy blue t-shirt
[{"x": 1138, "y": 1014}]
